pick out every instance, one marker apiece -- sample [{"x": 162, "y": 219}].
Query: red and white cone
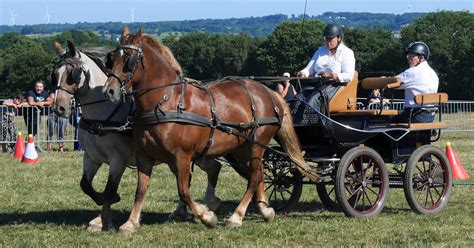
[
  {"x": 456, "y": 166},
  {"x": 30, "y": 156},
  {"x": 19, "y": 148}
]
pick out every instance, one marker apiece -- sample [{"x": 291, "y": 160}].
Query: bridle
[{"x": 132, "y": 65}]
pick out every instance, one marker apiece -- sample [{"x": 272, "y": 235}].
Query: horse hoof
[
  {"x": 128, "y": 228},
  {"x": 268, "y": 214},
  {"x": 210, "y": 219},
  {"x": 95, "y": 225},
  {"x": 234, "y": 222},
  {"x": 214, "y": 204}
]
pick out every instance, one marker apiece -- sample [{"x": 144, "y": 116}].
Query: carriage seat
[
  {"x": 344, "y": 101},
  {"x": 346, "y": 96},
  {"x": 433, "y": 100}
]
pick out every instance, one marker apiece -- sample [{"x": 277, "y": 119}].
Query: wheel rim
[
  {"x": 282, "y": 183},
  {"x": 363, "y": 185},
  {"x": 429, "y": 181}
]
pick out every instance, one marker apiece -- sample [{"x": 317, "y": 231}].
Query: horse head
[
  {"x": 78, "y": 75},
  {"x": 66, "y": 76},
  {"x": 139, "y": 59}
]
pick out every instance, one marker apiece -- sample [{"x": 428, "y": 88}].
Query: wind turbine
[
  {"x": 132, "y": 14},
  {"x": 12, "y": 18},
  {"x": 47, "y": 16}
]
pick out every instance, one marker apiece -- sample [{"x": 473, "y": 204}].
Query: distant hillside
[{"x": 257, "y": 26}]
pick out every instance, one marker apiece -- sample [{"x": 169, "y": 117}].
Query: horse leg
[
  {"x": 207, "y": 217},
  {"x": 90, "y": 169},
  {"x": 212, "y": 168},
  {"x": 144, "y": 169},
  {"x": 180, "y": 213},
  {"x": 117, "y": 167},
  {"x": 262, "y": 204},
  {"x": 256, "y": 177}
]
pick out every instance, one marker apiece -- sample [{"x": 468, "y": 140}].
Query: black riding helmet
[
  {"x": 418, "y": 47},
  {"x": 332, "y": 30}
]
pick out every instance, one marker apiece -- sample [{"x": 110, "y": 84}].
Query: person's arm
[
  {"x": 309, "y": 69},
  {"x": 9, "y": 103},
  {"x": 283, "y": 89},
  {"x": 48, "y": 101},
  {"x": 347, "y": 67}
]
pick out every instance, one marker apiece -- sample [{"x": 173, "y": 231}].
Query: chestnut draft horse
[
  {"x": 82, "y": 75},
  {"x": 180, "y": 120}
]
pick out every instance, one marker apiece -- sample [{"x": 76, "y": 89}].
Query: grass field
[{"x": 43, "y": 205}]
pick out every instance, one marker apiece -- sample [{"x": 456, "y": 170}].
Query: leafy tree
[
  {"x": 289, "y": 47},
  {"x": 450, "y": 37},
  {"x": 21, "y": 64},
  {"x": 376, "y": 51}
]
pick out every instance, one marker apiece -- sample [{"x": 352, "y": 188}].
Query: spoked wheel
[
  {"x": 327, "y": 195},
  {"x": 428, "y": 180},
  {"x": 362, "y": 183},
  {"x": 283, "y": 182}
]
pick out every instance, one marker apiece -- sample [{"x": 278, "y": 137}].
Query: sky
[{"x": 73, "y": 11}]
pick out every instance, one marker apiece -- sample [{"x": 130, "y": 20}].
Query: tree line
[
  {"x": 255, "y": 26},
  {"x": 287, "y": 49}
]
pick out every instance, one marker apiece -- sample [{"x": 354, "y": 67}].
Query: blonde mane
[{"x": 165, "y": 51}]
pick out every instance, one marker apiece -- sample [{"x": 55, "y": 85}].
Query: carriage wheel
[
  {"x": 327, "y": 195},
  {"x": 428, "y": 180},
  {"x": 283, "y": 182},
  {"x": 361, "y": 183}
]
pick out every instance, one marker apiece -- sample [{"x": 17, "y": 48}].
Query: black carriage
[{"x": 362, "y": 153}]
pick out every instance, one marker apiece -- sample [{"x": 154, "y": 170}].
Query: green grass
[{"x": 43, "y": 205}]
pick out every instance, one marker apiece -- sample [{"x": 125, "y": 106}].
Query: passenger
[
  {"x": 374, "y": 98},
  {"x": 334, "y": 62},
  {"x": 419, "y": 78},
  {"x": 286, "y": 89}
]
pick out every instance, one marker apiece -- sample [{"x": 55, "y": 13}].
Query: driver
[
  {"x": 419, "y": 78},
  {"x": 334, "y": 61}
]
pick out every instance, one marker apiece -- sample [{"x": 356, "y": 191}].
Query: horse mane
[{"x": 165, "y": 51}]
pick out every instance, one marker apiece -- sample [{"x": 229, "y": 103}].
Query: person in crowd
[
  {"x": 334, "y": 62},
  {"x": 37, "y": 98},
  {"x": 9, "y": 108},
  {"x": 56, "y": 124},
  {"x": 286, "y": 89},
  {"x": 419, "y": 78}
]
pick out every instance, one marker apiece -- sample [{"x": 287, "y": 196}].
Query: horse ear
[
  {"x": 138, "y": 35},
  {"x": 125, "y": 33},
  {"x": 71, "y": 47},
  {"x": 57, "y": 47}
]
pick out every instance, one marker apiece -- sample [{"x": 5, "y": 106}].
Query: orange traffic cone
[
  {"x": 30, "y": 156},
  {"x": 456, "y": 166},
  {"x": 19, "y": 147}
]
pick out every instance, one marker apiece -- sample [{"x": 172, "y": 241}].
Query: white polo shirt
[
  {"x": 342, "y": 63},
  {"x": 421, "y": 79}
]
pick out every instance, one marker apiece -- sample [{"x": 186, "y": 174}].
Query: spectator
[
  {"x": 37, "y": 98},
  {"x": 286, "y": 89},
  {"x": 8, "y": 111},
  {"x": 56, "y": 124},
  {"x": 74, "y": 120}
]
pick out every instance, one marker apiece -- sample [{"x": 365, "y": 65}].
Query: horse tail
[{"x": 291, "y": 144}]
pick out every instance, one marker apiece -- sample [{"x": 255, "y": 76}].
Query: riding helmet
[
  {"x": 418, "y": 47},
  {"x": 332, "y": 30}
]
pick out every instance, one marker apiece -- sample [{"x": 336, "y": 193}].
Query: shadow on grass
[{"x": 74, "y": 217}]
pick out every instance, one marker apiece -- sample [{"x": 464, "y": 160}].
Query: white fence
[{"x": 42, "y": 122}]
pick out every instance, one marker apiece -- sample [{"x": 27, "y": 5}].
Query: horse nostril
[
  {"x": 62, "y": 109},
  {"x": 111, "y": 92}
]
